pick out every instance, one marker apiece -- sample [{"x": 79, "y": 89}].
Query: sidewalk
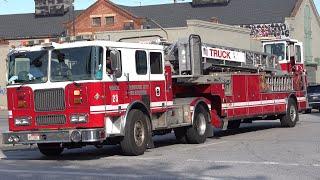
[
  {"x": 3, "y": 120},
  {"x": 3, "y": 124}
]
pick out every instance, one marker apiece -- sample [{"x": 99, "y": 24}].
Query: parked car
[{"x": 313, "y": 93}]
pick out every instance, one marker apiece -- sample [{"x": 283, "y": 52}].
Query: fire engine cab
[{"x": 97, "y": 92}]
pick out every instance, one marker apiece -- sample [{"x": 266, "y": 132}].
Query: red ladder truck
[{"x": 70, "y": 95}]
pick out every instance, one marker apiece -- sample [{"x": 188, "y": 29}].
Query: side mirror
[{"x": 116, "y": 63}]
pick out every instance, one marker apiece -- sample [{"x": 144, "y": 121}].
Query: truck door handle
[{"x": 157, "y": 91}]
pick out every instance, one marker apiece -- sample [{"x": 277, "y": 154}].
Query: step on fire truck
[{"x": 69, "y": 95}]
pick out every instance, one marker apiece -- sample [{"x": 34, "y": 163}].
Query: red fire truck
[{"x": 69, "y": 95}]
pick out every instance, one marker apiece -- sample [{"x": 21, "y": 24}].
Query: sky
[{"x": 27, "y": 6}]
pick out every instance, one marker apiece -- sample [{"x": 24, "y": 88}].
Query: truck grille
[
  {"x": 51, "y": 120},
  {"x": 49, "y": 100}
]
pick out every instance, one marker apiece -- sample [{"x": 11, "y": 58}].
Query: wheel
[
  {"x": 291, "y": 117},
  {"x": 50, "y": 149},
  {"x": 136, "y": 134},
  {"x": 235, "y": 124},
  {"x": 180, "y": 134},
  {"x": 197, "y": 133}
]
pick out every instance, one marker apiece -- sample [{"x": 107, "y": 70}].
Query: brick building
[{"x": 103, "y": 16}]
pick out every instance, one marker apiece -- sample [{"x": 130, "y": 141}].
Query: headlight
[
  {"x": 22, "y": 121},
  {"x": 79, "y": 118}
]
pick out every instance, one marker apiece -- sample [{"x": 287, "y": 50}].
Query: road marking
[
  {"x": 254, "y": 163},
  {"x": 132, "y": 158},
  {"x": 203, "y": 145},
  {"x": 103, "y": 174}
]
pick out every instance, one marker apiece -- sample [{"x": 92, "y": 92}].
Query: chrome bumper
[
  {"x": 56, "y": 136},
  {"x": 314, "y": 105}
]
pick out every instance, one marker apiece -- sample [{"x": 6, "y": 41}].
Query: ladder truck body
[{"x": 124, "y": 93}]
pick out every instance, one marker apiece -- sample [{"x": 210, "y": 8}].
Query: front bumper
[{"x": 54, "y": 136}]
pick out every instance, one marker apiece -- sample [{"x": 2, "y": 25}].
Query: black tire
[
  {"x": 234, "y": 124},
  {"x": 292, "y": 116},
  {"x": 180, "y": 134},
  {"x": 134, "y": 142},
  {"x": 308, "y": 111},
  {"x": 197, "y": 133},
  {"x": 50, "y": 149}
]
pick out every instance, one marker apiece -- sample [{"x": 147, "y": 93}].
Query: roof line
[
  {"x": 296, "y": 8},
  {"x": 314, "y": 8},
  {"x": 68, "y": 22},
  {"x": 122, "y": 9},
  {"x": 155, "y": 5},
  {"x": 106, "y": 1}
]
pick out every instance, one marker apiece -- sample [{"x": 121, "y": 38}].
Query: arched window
[{"x": 307, "y": 34}]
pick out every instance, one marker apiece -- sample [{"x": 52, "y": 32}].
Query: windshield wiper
[
  {"x": 74, "y": 82},
  {"x": 23, "y": 84}
]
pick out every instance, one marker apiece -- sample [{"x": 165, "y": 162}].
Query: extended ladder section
[{"x": 192, "y": 58}]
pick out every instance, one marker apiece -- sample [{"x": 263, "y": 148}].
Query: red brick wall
[
  {"x": 83, "y": 23},
  {"x": 3, "y": 42}
]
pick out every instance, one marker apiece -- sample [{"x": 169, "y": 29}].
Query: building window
[
  {"x": 307, "y": 34},
  {"x": 156, "y": 62},
  {"x": 298, "y": 54},
  {"x": 128, "y": 25},
  {"x": 141, "y": 62},
  {"x": 96, "y": 21},
  {"x": 110, "y": 20}
]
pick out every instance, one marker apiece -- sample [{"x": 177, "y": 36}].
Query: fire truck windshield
[
  {"x": 277, "y": 49},
  {"x": 28, "y": 67},
  {"x": 74, "y": 64}
]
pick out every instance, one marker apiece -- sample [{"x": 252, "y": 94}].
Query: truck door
[
  {"x": 139, "y": 87},
  {"x": 157, "y": 82}
]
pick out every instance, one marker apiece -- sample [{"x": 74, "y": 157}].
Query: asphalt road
[{"x": 262, "y": 150}]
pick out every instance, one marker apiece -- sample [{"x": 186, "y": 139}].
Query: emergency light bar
[{"x": 58, "y": 40}]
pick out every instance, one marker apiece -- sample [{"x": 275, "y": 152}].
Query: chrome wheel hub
[
  {"x": 139, "y": 133},
  {"x": 293, "y": 113},
  {"x": 201, "y": 124}
]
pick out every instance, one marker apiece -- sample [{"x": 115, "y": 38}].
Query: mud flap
[
  {"x": 210, "y": 132},
  {"x": 150, "y": 144}
]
